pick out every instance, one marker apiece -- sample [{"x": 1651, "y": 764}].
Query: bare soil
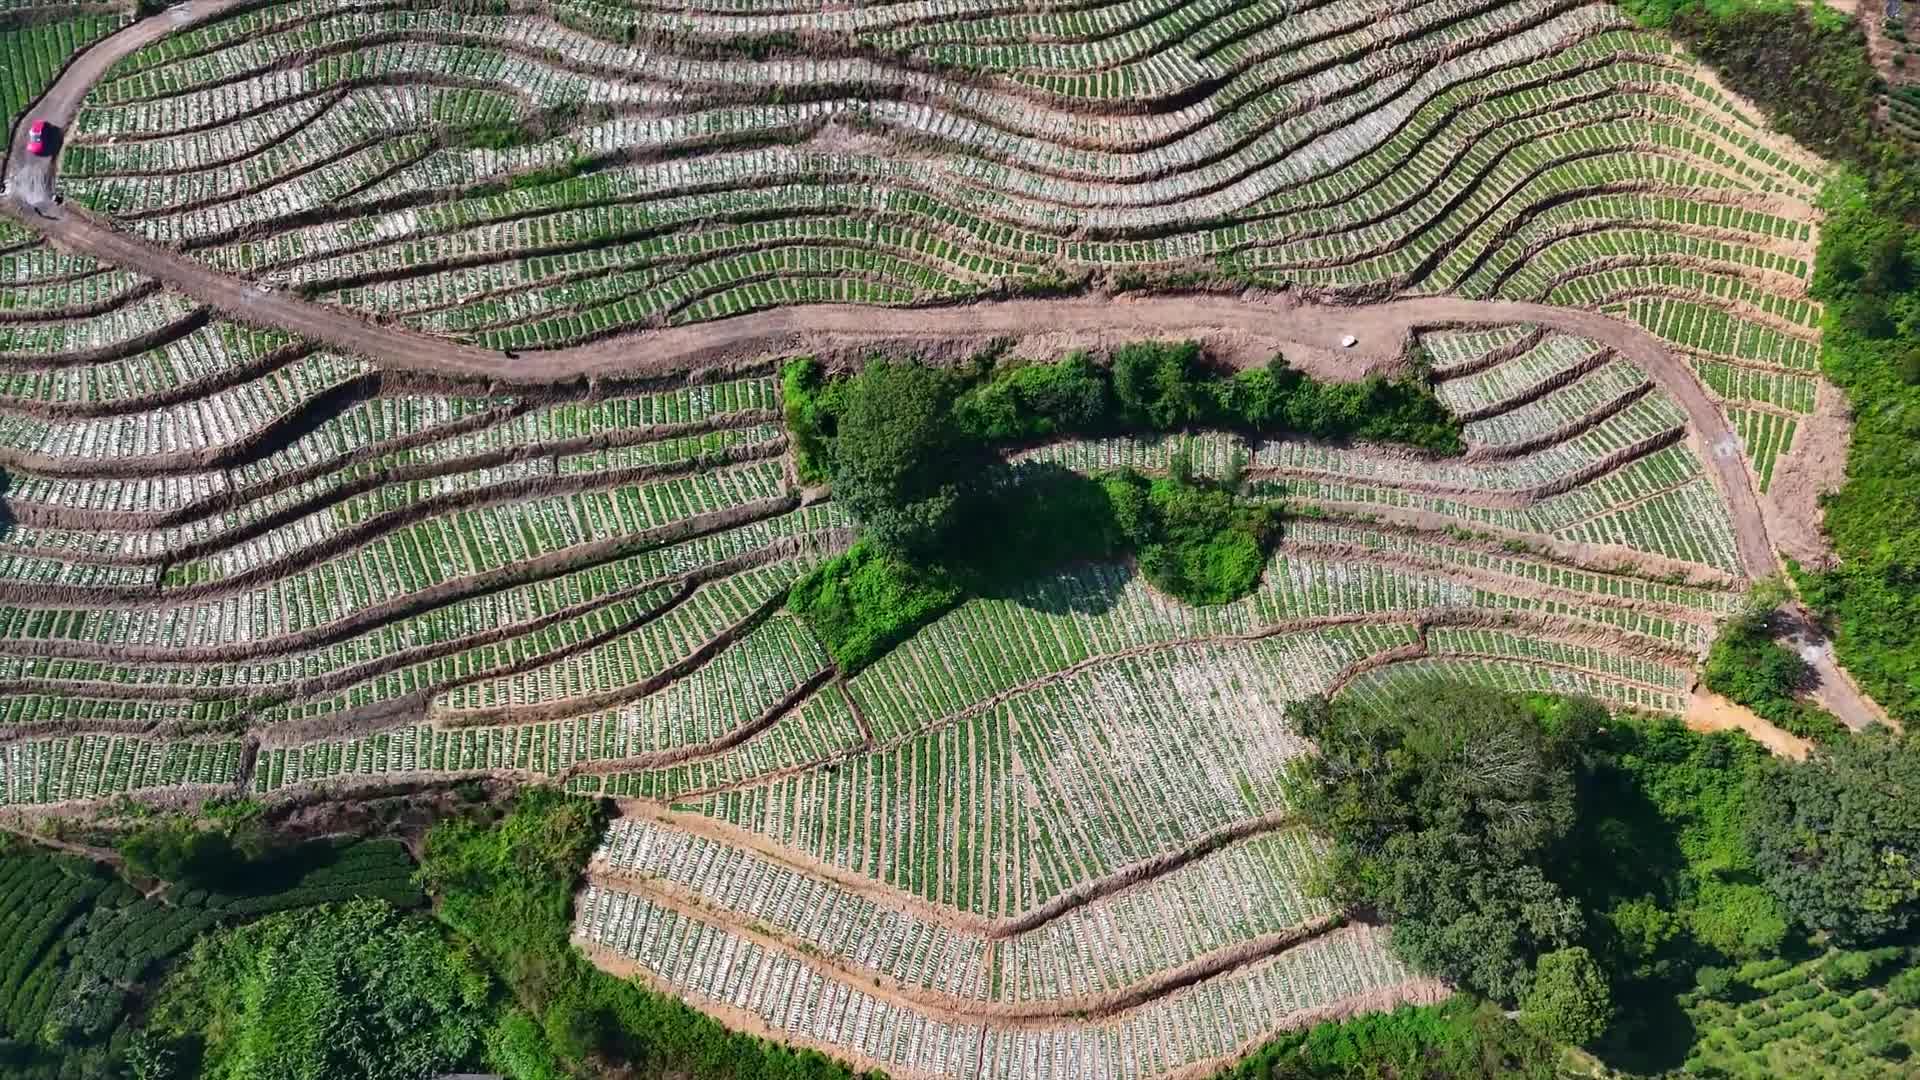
[
  {"x": 1707, "y": 711},
  {"x": 1816, "y": 465}
]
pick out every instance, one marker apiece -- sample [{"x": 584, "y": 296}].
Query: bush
[
  {"x": 812, "y": 407},
  {"x": 1039, "y": 401},
  {"x": 1750, "y": 668},
  {"x": 863, "y": 602},
  {"x": 1195, "y": 541},
  {"x": 1569, "y": 1001},
  {"x": 354, "y": 990},
  {"x": 1904, "y": 988},
  {"x": 1714, "y": 983},
  {"x": 1844, "y": 969}
]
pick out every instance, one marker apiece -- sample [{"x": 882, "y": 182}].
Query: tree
[
  {"x": 1569, "y": 1001},
  {"x": 1157, "y": 385},
  {"x": 898, "y": 458},
  {"x": 1837, "y": 837},
  {"x": 1469, "y": 913}
]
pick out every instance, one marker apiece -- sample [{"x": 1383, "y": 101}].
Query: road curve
[{"x": 1253, "y": 326}]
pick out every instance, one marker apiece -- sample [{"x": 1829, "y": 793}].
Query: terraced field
[{"x": 391, "y": 400}]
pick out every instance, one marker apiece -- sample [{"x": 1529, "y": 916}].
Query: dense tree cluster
[
  {"x": 1838, "y": 837},
  {"x": 1592, "y": 870},
  {"x": 1868, "y": 275},
  {"x": 909, "y": 449},
  {"x": 1445, "y": 803}
]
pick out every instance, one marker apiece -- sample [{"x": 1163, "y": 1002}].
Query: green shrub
[
  {"x": 863, "y": 602},
  {"x": 518, "y": 1047},
  {"x": 1198, "y": 542},
  {"x": 1904, "y": 988},
  {"x": 1753, "y": 971},
  {"x": 1714, "y": 982},
  {"x": 1039, "y": 401},
  {"x": 1750, "y": 668},
  {"x": 355, "y": 990}
]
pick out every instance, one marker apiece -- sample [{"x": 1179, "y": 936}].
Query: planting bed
[{"x": 435, "y": 433}]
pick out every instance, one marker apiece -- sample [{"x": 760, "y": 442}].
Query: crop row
[
  {"x": 1766, "y": 435},
  {"x": 1586, "y": 230},
  {"x": 733, "y": 690},
  {"x": 1014, "y": 805},
  {"x": 1414, "y": 248},
  {"x": 115, "y": 331},
  {"x": 28, "y": 261},
  {"x": 1702, "y": 603},
  {"x": 1526, "y": 677},
  {"x": 1739, "y": 383},
  {"x": 1625, "y": 505},
  {"x": 628, "y": 661},
  {"x": 1212, "y": 1020},
  {"x": 819, "y": 730},
  {"x": 57, "y": 298},
  {"x": 36, "y": 771},
  {"x": 1560, "y": 411},
  {"x": 522, "y": 38},
  {"x": 1599, "y": 288},
  {"x": 454, "y": 545},
  {"x": 209, "y": 355},
  {"x": 1704, "y": 329},
  {"x": 1555, "y": 359},
  {"x": 661, "y": 623},
  {"x": 1247, "y": 890},
  {"x": 990, "y": 645},
  {"x": 367, "y": 425},
  {"x": 836, "y": 921},
  {"x": 39, "y": 898},
  {"x": 18, "y": 710},
  {"x": 325, "y": 596},
  {"x": 634, "y": 266},
  {"x": 1477, "y": 641},
  {"x": 246, "y": 540},
  {"x": 1453, "y": 352},
  {"x": 202, "y": 425}
]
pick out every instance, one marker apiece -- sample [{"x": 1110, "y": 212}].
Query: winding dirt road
[{"x": 1242, "y": 330}]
